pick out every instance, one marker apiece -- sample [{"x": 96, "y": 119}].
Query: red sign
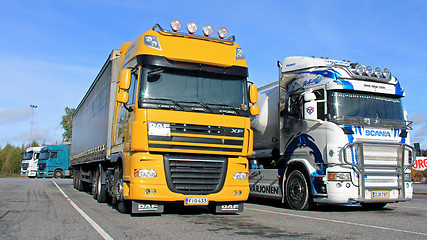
[{"x": 420, "y": 164}]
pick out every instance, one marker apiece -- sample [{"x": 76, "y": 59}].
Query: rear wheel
[
  {"x": 298, "y": 195},
  {"x": 75, "y": 179},
  {"x": 80, "y": 183},
  {"x": 373, "y": 206}
]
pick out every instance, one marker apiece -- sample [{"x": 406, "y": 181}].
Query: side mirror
[
  {"x": 253, "y": 94},
  {"x": 122, "y": 97},
  {"x": 254, "y": 110},
  {"x": 124, "y": 79}
]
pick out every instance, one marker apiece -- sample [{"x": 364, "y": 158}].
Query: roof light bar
[
  {"x": 359, "y": 69},
  {"x": 176, "y": 25},
  {"x": 192, "y": 27}
]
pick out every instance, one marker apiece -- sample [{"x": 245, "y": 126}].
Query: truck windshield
[
  {"x": 185, "y": 90},
  {"x": 44, "y": 155},
  {"x": 28, "y": 155},
  {"x": 366, "y": 109}
]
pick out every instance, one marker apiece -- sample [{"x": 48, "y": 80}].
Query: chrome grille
[{"x": 378, "y": 165}]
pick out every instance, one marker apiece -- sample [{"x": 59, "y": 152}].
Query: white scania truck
[{"x": 331, "y": 132}]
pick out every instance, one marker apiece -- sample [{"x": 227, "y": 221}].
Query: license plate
[
  {"x": 380, "y": 194},
  {"x": 196, "y": 201}
]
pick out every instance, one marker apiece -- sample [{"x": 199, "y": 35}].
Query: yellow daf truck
[{"x": 167, "y": 120}]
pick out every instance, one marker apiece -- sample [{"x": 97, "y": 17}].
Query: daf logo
[
  {"x": 236, "y": 130},
  {"x": 230, "y": 207},
  {"x": 159, "y": 125},
  {"x": 147, "y": 207},
  {"x": 159, "y": 129}
]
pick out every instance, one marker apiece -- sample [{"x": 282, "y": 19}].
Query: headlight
[
  {"x": 147, "y": 173},
  {"x": 152, "y": 42},
  {"x": 387, "y": 73},
  {"x": 369, "y": 71},
  {"x": 240, "y": 176},
  {"x": 192, "y": 27},
  {"x": 377, "y": 71},
  {"x": 207, "y": 30},
  {"x": 239, "y": 54},
  {"x": 176, "y": 25},
  {"x": 339, "y": 176},
  {"x": 222, "y": 32},
  {"x": 359, "y": 69}
]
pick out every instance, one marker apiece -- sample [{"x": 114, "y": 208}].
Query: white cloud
[{"x": 11, "y": 115}]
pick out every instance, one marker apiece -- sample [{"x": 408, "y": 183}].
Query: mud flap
[
  {"x": 147, "y": 207},
  {"x": 229, "y": 207}
]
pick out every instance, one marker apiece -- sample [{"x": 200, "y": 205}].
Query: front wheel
[
  {"x": 298, "y": 195},
  {"x": 99, "y": 189},
  {"x": 122, "y": 205},
  {"x": 58, "y": 174}
]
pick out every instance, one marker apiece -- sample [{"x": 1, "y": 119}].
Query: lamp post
[{"x": 32, "y": 116}]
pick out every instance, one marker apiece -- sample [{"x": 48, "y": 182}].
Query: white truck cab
[
  {"x": 30, "y": 161},
  {"x": 331, "y": 131}
]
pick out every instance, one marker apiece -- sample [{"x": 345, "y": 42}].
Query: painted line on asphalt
[
  {"x": 338, "y": 221},
  {"x": 95, "y": 225}
]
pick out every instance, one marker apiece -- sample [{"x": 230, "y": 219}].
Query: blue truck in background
[{"x": 54, "y": 161}]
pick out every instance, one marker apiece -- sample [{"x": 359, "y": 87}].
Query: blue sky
[{"x": 51, "y": 51}]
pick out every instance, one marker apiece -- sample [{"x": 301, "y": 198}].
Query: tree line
[{"x": 11, "y": 156}]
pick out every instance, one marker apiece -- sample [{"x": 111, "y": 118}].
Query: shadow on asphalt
[{"x": 318, "y": 208}]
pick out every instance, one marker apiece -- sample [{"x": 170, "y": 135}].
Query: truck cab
[
  {"x": 173, "y": 123},
  {"x": 54, "y": 161},
  {"x": 30, "y": 161},
  {"x": 334, "y": 132}
]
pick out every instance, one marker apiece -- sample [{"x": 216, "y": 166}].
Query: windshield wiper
[
  {"x": 159, "y": 105},
  {"x": 198, "y": 103},
  {"x": 156, "y": 71},
  {"x": 234, "y": 111}
]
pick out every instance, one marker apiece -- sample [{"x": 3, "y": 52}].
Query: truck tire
[
  {"x": 373, "y": 206},
  {"x": 75, "y": 179},
  {"x": 298, "y": 195},
  {"x": 122, "y": 205},
  {"x": 99, "y": 189},
  {"x": 80, "y": 183},
  {"x": 58, "y": 174}
]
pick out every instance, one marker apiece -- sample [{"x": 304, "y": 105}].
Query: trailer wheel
[
  {"x": 298, "y": 194},
  {"x": 373, "y": 206},
  {"x": 58, "y": 174},
  {"x": 122, "y": 205},
  {"x": 75, "y": 179},
  {"x": 80, "y": 183}
]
